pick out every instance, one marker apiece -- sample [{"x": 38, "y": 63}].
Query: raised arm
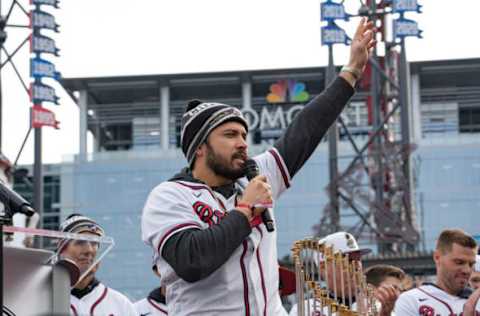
[{"x": 310, "y": 125}]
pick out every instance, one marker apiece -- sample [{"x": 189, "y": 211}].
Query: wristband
[
  {"x": 357, "y": 74},
  {"x": 248, "y": 207},
  {"x": 245, "y": 205}
]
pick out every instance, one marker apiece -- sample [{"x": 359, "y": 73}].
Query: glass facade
[{"x": 23, "y": 184}]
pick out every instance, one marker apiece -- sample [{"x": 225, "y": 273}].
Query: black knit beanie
[
  {"x": 200, "y": 119},
  {"x": 77, "y": 223}
]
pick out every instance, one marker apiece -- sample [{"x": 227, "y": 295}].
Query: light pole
[{"x": 333, "y": 34}]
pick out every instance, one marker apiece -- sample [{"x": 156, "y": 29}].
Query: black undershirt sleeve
[
  {"x": 310, "y": 125},
  {"x": 194, "y": 254}
]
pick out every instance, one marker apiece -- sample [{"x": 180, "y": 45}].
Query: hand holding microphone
[{"x": 257, "y": 195}]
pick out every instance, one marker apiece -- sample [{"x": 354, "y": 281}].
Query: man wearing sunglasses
[{"x": 89, "y": 296}]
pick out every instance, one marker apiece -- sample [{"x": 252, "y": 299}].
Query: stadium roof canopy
[{"x": 124, "y": 89}]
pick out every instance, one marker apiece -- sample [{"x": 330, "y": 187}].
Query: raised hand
[
  {"x": 387, "y": 296},
  {"x": 362, "y": 43}
]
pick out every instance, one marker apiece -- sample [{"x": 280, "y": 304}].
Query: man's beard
[{"x": 220, "y": 166}]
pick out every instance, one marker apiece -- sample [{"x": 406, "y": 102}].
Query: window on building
[
  {"x": 439, "y": 118},
  {"x": 469, "y": 120},
  {"x": 116, "y": 137}
]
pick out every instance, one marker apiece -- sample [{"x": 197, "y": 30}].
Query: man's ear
[
  {"x": 436, "y": 255},
  {"x": 201, "y": 150}
]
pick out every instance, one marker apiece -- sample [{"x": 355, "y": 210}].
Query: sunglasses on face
[{"x": 84, "y": 243}]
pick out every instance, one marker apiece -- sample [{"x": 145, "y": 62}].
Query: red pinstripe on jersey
[
  {"x": 100, "y": 299},
  {"x": 281, "y": 166}
]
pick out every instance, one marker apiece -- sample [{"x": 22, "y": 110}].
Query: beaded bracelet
[{"x": 357, "y": 74}]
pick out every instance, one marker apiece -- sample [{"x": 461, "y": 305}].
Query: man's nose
[
  {"x": 89, "y": 247},
  {"x": 467, "y": 269},
  {"x": 242, "y": 143}
]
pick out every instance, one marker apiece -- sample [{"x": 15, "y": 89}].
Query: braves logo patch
[
  {"x": 426, "y": 310},
  {"x": 207, "y": 214}
]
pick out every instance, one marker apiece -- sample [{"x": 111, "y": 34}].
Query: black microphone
[
  {"x": 13, "y": 202},
  {"x": 251, "y": 171}
]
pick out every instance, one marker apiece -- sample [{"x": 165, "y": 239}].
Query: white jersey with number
[
  {"x": 247, "y": 283},
  {"x": 150, "y": 307},
  {"x": 102, "y": 301},
  {"x": 429, "y": 300}
]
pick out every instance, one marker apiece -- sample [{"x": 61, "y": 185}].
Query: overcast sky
[{"x": 119, "y": 37}]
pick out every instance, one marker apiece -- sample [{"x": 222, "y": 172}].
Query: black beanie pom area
[{"x": 192, "y": 104}]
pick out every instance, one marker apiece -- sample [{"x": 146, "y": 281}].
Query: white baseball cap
[
  {"x": 476, "y": 268},
  {"x": 345, "y": 243}
]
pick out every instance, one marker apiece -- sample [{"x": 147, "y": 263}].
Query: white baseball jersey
[
  {"x": 429, "y": 300},
  {"x": 102, "y": 301},
  {"x": 150, "y": 307},
  {"x": 247, "y": 283},
  {"x": 77, "y": 307}
]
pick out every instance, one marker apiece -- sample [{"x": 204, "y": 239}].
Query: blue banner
[
  {"x": 404, "y": 27},
  {"x": 53, "y": 3},
  {"x": 40, "y": 92},
  {"x": 401, "y": 6},
  {"x": 331, "y": 11},
  {"x": 40, "y": 68},
  {"x": 332, "y": 34},
  {"x": 43, "y": 44},
  {"x": 43, "y": 20}
]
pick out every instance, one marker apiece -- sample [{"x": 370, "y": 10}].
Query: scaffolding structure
[{"x": 376, "y": 189}]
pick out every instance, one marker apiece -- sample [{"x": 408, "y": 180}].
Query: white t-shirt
[
  {"x": 102, "y": 301},
  {"x": 429, "y": 300}
]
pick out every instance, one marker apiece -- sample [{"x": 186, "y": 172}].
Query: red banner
[{"x": 42, "y": 117}]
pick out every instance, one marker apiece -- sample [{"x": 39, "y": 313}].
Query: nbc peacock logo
[{"x": 290, "y": 90}]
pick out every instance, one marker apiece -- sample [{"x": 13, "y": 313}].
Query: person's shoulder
[
  {"x": 165, "y": 186},
  {"x": 169, "y": 189},
  {"x": 414, "y": 291},
  {"x": 432, "y": 290},
  {"x": 118, "y": 296},
  {"x": 409, "y": 295},
  {"x": 140, "y": 302},
  {"x": 141, "y": 306},
  {"x": 407, "y": 303}
]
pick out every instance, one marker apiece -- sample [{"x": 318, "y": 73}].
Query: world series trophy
[{"x": 327, "y": 282}]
